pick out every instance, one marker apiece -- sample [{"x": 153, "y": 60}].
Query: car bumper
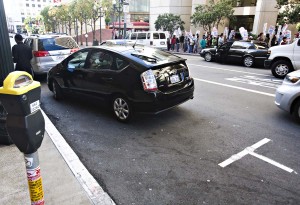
[
  {"x": 159, "y": 102},
  {"x": 267, "y": 63},
  {"x": 285, "y": 95}
]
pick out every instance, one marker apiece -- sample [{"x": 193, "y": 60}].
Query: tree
[
  {"x": 290, "y": 12},
  {"x": 169, "y": 22},
  {"x": 212, "y": 14},
  {"x": 47, "y": 20}
]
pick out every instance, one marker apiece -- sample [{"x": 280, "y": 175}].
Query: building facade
[
  {"x": 18, "y": 10},
  {"x": 251, "y": 14}
]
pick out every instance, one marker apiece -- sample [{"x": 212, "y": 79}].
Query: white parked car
[{"x": 288, "y": 94}]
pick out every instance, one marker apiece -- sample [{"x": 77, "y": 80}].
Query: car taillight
[
  {"x": 41, "y": 53},
  {"x": 149, "y": 81},
  {"x": 74, "y": 50}
]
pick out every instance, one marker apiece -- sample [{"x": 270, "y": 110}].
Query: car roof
[{"x": 134, "y": 53}]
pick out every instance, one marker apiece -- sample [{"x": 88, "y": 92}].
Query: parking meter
[{"x": 20, "y": 96}]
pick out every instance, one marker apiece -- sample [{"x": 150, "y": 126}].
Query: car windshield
[
  {"x": 261, "y": 45},
  {"x": 150, "y": 55},
  {"x": 53, "y": 44}
]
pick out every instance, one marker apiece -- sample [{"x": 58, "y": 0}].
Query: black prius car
[
  {"x": 248, "y": 53},
  {"x": 130, "y": 78}
]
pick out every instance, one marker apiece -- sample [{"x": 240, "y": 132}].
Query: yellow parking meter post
[{"x": 20, "y": 97}]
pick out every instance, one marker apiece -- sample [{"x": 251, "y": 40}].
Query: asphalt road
[{"x": 174, "y": 157}]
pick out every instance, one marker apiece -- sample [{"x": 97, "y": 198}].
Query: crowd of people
[{"x": 192, "y": 43}]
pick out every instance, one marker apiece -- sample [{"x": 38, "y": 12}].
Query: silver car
[
  {"x": 288, "y": 94},
  {"x": 49, "y": 50}
]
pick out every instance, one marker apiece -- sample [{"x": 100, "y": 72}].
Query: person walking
[
  {"x": 284, "y": 41},
  {"x": 22, "y": 54},
  {"x": 203, "y": 42},
  {"x": 181, "y": 41},
  {"x": 260, "y": 37},
  {"x": 267, "y": 39},
  {"x": 177, "y": 44},
  {"x": 168, "y": 43},
  {"x": 173, "y": 43},
  {"x": 221, "y": 39},
  {"x": 274, "y": 41}
]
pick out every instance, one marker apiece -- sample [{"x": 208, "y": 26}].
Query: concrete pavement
[{"x": 65, "y": 179}]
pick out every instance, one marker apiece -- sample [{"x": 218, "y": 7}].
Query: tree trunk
[{"x": 81, "y": 24}]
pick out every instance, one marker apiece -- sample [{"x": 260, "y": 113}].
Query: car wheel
[
  {"x": 248, "y": 61},
  {"x": 58, "y": 95},
  {"x": 296, "y": 111},
  {"x": 207, "y": 57},
  {"x": 281, "y": 68},
  {"x": 122, "y": 108}
]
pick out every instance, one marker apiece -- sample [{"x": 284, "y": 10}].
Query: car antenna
[{"x": 133, "y": 46}]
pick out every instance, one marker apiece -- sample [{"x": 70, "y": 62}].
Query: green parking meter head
[{"x": 20, "y": 96}]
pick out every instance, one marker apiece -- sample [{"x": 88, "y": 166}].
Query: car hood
[
  {"x": 288, "y": 47},
  {"x": 295, "y": 73},
  {"x": 212, "y": 50}
]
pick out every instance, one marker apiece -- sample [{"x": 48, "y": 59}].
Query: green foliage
[
  {"x": 290, "y": 12},
  {"x": 212, "y": 14},
  {"x": 169, "y": 22},
  {"x": 298, "y": 26}
]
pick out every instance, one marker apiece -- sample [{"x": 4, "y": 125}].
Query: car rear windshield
[
  {"x": 154, "y": 56},
  {"x": 59, "y": 43}
]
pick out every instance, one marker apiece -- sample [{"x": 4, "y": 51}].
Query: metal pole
[
  {"x": 100, "y": 28},
  {"x": 86, "y": 43},
  {"x": 6, "y": 66},
  {"x": 77, "y": 30},
  {"x": 34, "y": 178},
  {"x": 113, "y": 33},
  {"x": 119, "y": 20}
]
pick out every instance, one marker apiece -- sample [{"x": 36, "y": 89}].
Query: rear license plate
[
  {"x": 58, "y": 58},
  {"x": 174, "y": 79}
]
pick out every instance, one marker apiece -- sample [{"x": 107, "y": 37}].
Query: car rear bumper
[
  {"x": 267, "y": 63},
  {"x": 159, "y": 102}
]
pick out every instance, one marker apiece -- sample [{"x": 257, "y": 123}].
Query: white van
[{"x": 156, "y": 39}]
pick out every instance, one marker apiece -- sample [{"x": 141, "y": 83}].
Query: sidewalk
[{"x": 65, "y": 179}]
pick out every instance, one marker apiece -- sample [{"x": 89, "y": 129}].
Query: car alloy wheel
[
  {"x": 207, "y": 57},
  {"x": 282, "y": 69},
  {"x": 122, "y": 109},
  {"x": 248, "y": 61}
]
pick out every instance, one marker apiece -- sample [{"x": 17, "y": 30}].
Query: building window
[
  {"x": 23, "y": 19},
  {"x": 44, "y": 0},
  {"x": 139, "y": 6},
  {"x": 33, "y": 5},
  {"x": 243, "y": 3},
  {"x": 27, "y": 5},
  {"x": 38, "y": 0},
  {"x": 39, "y": 5}
]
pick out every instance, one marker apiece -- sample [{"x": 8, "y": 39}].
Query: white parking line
[
  {"x": 250, "y": 150},
  {"x": 235, "y": 87},
  {"x": 243, "y": 153},
  {"x": 237, "y": 71}
]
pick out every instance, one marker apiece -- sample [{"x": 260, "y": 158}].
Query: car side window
[
  {"x": 77, "y": 60},
  {"x": 155, "y": 36},
  {"x": 224, "y": 46},
  {"x": 141, "y": 36},
  {"x": 99, "y": 60},
  {"x": 162, "y": 36},
  {"x": 120, "y": 64},
  {"x": 133, "y": 36},
  {"x": 148, "y": 35}
]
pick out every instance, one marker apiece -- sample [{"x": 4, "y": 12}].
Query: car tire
[
  {"x": 248, "y": 61},
  {"x": 281, "y": 68},
  {"x": 208, "y": 57},
  {"x": 122, "y": 109},
  {"x": 296, "y": 111},
  {"x": 57, "y": 91}
]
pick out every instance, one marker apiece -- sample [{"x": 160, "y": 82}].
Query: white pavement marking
[
  {"x": 237, "y": 71},
  {"x": 252, "y": 80},
  {"x": 250, "y": 150},
  {"x": 271, "y": 162},
  {"x": 236, "y": 87},
  {"x": 86, "y": 180},
  {"x": 243, "y": 153}
]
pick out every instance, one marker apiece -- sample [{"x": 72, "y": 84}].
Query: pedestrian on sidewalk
[
  {"x": 284, "y": 41},
  {"x": 267, "y": 39},
  {"x": 173, "y": 43},
  {"x": 186, "y": 43},
  {"x": 191, "y": 44},
  {"x": 203, "y": 42},
  {"x": 177, "y": 44},
  {"x": 274, "y": 41},
  {"x": 196, "y": 44},
  {"x": 214, "y": 42},
  {"x": 221, "y": 40},
  {"x": 260, "y": 37},
  {"x": 181, "y": 41},
  {"x": 22, "y": 54},
  {"x": 168, "y": 43}
]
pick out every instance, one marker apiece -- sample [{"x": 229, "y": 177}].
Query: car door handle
[{"x": 107, "y": 79}]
